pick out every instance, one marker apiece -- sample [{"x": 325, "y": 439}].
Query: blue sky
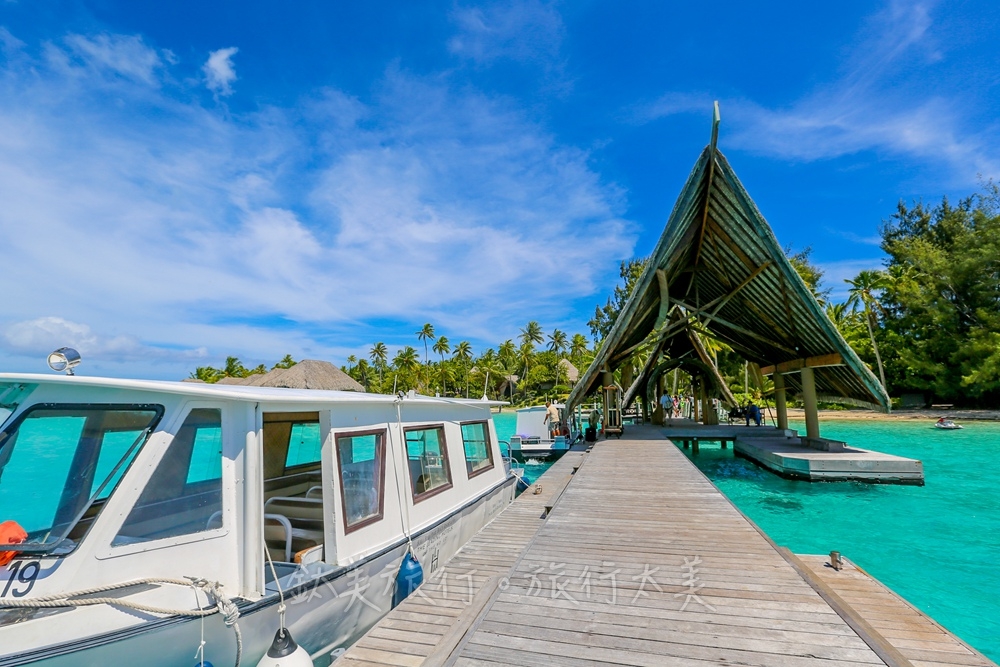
[{"x": 181, "y": 181}]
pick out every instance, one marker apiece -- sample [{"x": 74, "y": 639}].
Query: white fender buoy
[{"x": 284, "y": 652}]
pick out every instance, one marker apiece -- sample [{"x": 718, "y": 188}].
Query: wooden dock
[
  {"x": 783, "y": 452},
  {"x": 640, "y": 561}
]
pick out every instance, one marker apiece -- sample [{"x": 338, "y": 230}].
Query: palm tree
[
  {"x": 351, "y": 360},
  {"x": 379, "y": 356},
  {"x": 463, "y": 353},
  {"x": 557, "y": 344},
  {"x": 837, "y": 312},
  {"x": 524, "y": 353},
  {"x": 363, "y": 369},
  {"x": 862, "y": 291},
  {"x": 234, "y": 368},
  {"x": 286, "y": 362},
  {"x": 532, "y": 333},
  {"x": 442, "y": 346},
  {"x": 406, "y": 360},
  {"x": 507, "y": 352},
  {"x": 425, "y": 334},
  {"x": 577, "y": 347},
  {"x": 444, "y": 374}
]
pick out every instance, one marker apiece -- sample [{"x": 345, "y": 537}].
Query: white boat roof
[{"x": 233, "y": 392}]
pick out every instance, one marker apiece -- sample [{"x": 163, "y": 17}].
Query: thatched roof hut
[
  {"x": 568, "y": 371},
  {"x": 307, "y": 374}
]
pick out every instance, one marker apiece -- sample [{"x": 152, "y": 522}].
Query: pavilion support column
[
  {"x": 696, "y": 399},
  {"x": 809, "y": 398},
  {"x": 779, "y": 400},
  {"x": 659, "y": 416}
]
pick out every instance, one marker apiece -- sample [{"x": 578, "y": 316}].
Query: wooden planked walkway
[
  {"x": 642, "y": 561},
  {"x": 917, "y": 636}
]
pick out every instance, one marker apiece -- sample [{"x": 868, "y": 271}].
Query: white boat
[
  {"x": 947, "y": 425},
  {"x": 125, "y": 488},
  {"x": 532, "y": 439}
]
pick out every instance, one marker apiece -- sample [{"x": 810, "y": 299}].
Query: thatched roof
[
  {"x": 307, "y": 374},
  {"x": 719, "y": 272},
  {"x": 238, "y": 381},
  {"x": 568, "y": 370}
]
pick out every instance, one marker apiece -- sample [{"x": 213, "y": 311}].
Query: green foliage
[
  {"x": 234, "y": 368},
  {"x": 811, "y": 274},
  {"x": 941, "y": 300},
  {"x": 605, "y": 316}
]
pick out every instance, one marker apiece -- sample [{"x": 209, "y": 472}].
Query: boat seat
[{"x": 294, "y": 524}]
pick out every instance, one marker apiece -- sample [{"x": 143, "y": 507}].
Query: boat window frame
[
  {"x": 489, "y": 447},
  {"x": 309, "y": 466},
  {"x": 383, "y": 449},
  {"x": 432, "y": 426},
  {"x": 181, "y": 413},
  {"x": 14, "y": 420}
]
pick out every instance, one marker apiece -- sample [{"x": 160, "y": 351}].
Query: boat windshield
[{"x": 59, "y": 463}]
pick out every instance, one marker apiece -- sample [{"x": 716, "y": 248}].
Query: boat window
[
  {"x": 361, "y": 459},
  {"x": 478, "y": 453},
  {"x": 428, "y": 461},
  {"x": 185, "y": 490},
  {"x": 304, "y": 445},
  {"x": 58, "y": 463}
]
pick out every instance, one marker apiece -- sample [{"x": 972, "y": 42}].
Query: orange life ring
[{"x": 10, "y": 533}]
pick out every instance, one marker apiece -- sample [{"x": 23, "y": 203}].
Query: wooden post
[
  {"x": 809, "y": 398},
  {"x": 779, "y": 400},
  {"x": 658, "y": 415},
  {"x": 694, "y": 447},
  {"x": 696, "y": 399}
]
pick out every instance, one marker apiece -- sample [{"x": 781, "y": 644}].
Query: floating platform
[
  {"x": 788, "y": 459},
  {"x": 629, "y": 555},
  {"x": 785, "y": 453}
]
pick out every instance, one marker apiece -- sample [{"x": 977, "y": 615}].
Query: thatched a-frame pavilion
[{"x": 718, "y": 272}]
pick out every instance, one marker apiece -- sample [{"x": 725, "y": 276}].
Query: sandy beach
[{"x": 900, "y": 415}]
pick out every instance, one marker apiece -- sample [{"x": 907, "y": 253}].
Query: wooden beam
[
  {"x": 661, "y": 279},
  {"x": 724, "y": 300},
  {"x": 736, "y": 327},
  {"x": 713, "y": 147},
  {"x": 809, "y": 362}
]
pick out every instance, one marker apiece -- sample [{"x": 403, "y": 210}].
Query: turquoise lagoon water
[
  {"x": 937, "y": 545},
  {"x": 505, "y": 423}
]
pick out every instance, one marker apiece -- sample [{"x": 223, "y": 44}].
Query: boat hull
[{"x": 327, "y": 608}]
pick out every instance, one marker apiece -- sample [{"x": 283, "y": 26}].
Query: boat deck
[{"x": 641, "y": 561}]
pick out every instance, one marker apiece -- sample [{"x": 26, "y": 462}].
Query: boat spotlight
[{"x": 64, "y": 359}]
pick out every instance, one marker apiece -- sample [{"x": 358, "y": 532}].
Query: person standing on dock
[
  {"x": 667, "y": 405},
  {"x": 552, "y": 419}
]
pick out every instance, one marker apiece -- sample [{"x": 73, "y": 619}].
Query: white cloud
[
  {"x": 123, "y": 55},
  {"x": 36, "y": 338},
  {"x": 877, "y": 102},
  {"x": 220, "y": 72},
  {"x": 285, "y": 230},
  {"x": 521, "y": 30}
]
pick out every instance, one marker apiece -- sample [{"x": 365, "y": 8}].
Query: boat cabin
[{"x": 112, "y": 480}]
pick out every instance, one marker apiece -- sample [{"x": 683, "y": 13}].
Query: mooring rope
[{"x": 223, "y": 605}]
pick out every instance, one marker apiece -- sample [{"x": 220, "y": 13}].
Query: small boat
[
  {"x": 532, "y": 439},
  {"x": 946, "y": 424},
  {"x": 191, "y": 509}
]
